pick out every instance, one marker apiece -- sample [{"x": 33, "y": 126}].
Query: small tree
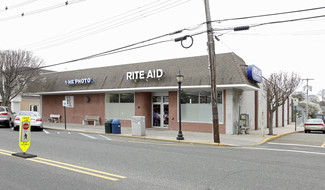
[
  {"x": 277, "y": 89},
  {"x": 17, "y": 68},
  {"x": 313, "y": 98},
  {"x": 313, "y": 108},
  {"x": 321, "y": 93},
  {"x": 300, "y": 95}
]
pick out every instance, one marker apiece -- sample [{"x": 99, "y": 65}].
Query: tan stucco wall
[{"x": 24, "y": 105}]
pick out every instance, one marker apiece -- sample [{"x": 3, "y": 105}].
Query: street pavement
[{"x": 254, "y": 137}]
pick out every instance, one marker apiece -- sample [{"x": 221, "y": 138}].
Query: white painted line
[
  {"x": 58, "y": 133},
  {"x": 323, "y": 145},
  {"x": 45, "y": 131},
  {"x": 296, "y": 145},
  {"x": 284, "y": 150},
  {"x": 87, "y": 136},
  {"x": 105, "y": 137}
]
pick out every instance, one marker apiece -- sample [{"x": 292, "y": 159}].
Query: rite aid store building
[{"x": 150, "y": 89}]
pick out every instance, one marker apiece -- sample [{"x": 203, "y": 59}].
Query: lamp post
[{"x": 179, "y": 79}]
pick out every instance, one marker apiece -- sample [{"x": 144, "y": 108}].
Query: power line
[
  {"x": 10, "y": 7},
  {"x": 118, "y": 50},
  {"x": 101, "y": 26},
  {"x": 45, "y": 9},
  {"x": 114, "y": 51},
  {"x": 96, "y": 24},
  {"x": 288, "y": 20},
  {"x": 270, "y": 23},
  {"x": 130, "y": 47},
  {"x": 270, "y": 14}
]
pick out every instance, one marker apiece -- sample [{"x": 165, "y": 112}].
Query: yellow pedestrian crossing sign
[{"x": 24, "y": 135}]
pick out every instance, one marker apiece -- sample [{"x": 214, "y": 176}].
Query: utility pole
[
  {"x": 307, "y": 79},
  {"x": 212, "y": 62}
]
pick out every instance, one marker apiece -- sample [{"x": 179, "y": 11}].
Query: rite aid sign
[
  {"x": 254, "y": 73},
  {"x": 135, "y": 75}
]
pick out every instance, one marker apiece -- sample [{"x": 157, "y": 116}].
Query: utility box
[{"x": 138, "y": 126}]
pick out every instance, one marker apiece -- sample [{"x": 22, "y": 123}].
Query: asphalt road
[
  {"x": 314, "y": 138},
  {"x": 70, "y": 160}
]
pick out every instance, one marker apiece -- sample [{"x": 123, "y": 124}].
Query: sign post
[
  {"x": 24, "y": 138},
  {"x": 64, "y": 104},
  {"x": 295, "y": 103}
]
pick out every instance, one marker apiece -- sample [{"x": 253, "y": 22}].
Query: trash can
[
  {"x": 108, "y": 126},
  {"x": 138, "y": 126},
  {"x": 116, "y": 126}
]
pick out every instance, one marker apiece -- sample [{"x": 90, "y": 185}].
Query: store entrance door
[{"x": 160, "y": 111}]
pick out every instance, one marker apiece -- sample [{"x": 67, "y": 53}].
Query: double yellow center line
[{"x": 71, "y": 167}]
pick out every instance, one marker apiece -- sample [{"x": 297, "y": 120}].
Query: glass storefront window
[
  {"x": 119, "y": 106},
  {"x": 205, "y": 97},
  {"x": 196, "y": 106},
  {"x": 166, "y": 99},
  {"x": 156, "y": 99},
  {"x": 219, "y": 97},
  {"x": 113, "y": 98},
  {"x": 127, "y": 98},
  {"x": 190, "y": 97}
]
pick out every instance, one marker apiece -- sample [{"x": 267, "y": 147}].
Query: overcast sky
[{"x": 57, "y": 32}]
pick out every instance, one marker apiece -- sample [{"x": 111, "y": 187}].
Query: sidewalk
[{"x": 254, "y": 138}]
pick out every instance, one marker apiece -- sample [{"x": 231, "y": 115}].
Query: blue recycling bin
[{"x": 116, "y": 126}]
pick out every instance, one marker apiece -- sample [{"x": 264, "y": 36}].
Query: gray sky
[{"x": 58, "y": 33}]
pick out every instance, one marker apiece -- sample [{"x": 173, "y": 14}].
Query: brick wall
[{"x": 52, "y": 104}]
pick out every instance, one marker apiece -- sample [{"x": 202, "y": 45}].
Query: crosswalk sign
[{"x": 24, "y": 135}]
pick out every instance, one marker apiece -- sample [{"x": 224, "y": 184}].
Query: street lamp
[{"x": 179, "y": 79}]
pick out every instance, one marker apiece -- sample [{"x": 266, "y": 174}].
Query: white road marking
[
  {"x": 296, "y": 145},
  {"x": 45, "y": 131},
  {"x": 323, "y": 145},
  {"x": 105, "y": 137},
  {"x": 58, "y": 133},
  {"x": 88, "y": 136},
  {"x": 284, "y": 150}
]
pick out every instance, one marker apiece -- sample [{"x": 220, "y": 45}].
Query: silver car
[
  {"x": 6, "y": 116},
  {"x": 35, "y": 117},
  {"x": 314, "y": 125}
]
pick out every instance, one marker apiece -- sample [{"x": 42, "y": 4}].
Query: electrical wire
[
  {"x": 288, "y": 20},
  {"x": 118, "y": 50},
  {"x": 10, "y": 7},
  {"x": 114, "y": 23},
  {"x": 114, "y": 51},
  {"x": 136, "y": 45},
  {"x": 270, "y": 23},
  {"x": 45, "y": 9},
  {"x": 95, "y": 25},
  {"x": 270, "y": 14},
  {"x": 128, "y": 47}
]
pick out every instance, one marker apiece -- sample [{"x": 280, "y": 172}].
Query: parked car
[
  {"x": 314, "y": 125},
  {"x": 6, "y": 116},
  {"x": 35, "y": 117},
  {"x": 320, "y": 116}
]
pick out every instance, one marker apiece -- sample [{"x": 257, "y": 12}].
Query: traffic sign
[
  {"x": 24, "y": 135},
  {"x": 64, "y": 103}
]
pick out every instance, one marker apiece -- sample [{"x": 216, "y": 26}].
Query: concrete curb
[
  {"x": 148, "y": 138},
  {"x": 274, "y": 137},
  {"x": 179, "y": 141}
]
